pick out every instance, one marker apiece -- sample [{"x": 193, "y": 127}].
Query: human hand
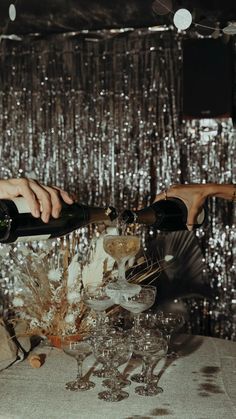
[
  {"x": 44, "y": 201},
  {"x": 193, "y": 195}
]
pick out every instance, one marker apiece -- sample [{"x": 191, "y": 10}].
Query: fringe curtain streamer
[
  {"x": 93, "y": 115},
  {"x": 99, "y": 115}
]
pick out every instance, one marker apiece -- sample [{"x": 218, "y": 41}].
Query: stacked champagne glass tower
[{"x": 114, "y": 340}]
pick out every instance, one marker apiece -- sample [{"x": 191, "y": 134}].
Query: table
[{"x": 199, "y": 384}]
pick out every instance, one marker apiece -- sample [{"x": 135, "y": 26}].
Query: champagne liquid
[
  {"x": 117, "y": 290},
  {"x": 135, "y": 307},
  {"x": 99, "y": 305},
  {"x": 121, "y": 247}
]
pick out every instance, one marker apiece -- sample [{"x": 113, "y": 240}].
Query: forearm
[{"x": 224, "y": 191}]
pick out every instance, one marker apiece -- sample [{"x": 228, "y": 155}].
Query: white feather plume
[
  {"x": 93, "y": 271},
  {"x": 74, "y": 272}
]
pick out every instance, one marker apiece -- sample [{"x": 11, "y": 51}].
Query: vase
[{"x": 56, "y": 340}]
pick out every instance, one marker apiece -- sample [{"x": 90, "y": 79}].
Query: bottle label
[
  {"x": 33, "y": 238},
  {"x": 21, "y": 205}
]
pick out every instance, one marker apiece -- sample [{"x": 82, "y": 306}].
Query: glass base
[
  {"x": 140, "y": 378},
  {"x": 113, "y": 397},
  {"x": 101, "y": 373},
  {"x": 121, "y": 381},
  {"x": 150, "y": 390},
  {"x": 82, "y": 385},
  {"x": 172, "y": 355}
]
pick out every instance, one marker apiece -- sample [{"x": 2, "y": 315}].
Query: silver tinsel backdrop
[{"x": 99, "y": 115}]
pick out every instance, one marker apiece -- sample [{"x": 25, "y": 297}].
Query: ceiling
[{"x": 59, "y": 16}]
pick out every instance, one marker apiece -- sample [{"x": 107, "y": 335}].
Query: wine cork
[{"x": 36, "y": 360}]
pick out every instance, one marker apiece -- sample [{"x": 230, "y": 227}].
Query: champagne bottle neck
[{"x": 97, "y": 214}]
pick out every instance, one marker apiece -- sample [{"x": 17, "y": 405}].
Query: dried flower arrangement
[
  {"x": 48, "y": 285},
  {"x": 48, "y": 291}
]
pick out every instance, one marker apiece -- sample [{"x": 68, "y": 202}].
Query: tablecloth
[{"x": 199, "y": 384}]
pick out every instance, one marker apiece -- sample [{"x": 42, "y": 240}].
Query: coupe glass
[
  {"x": 169, "y": 323},
  {"x": 98, "y": 336},
  {"x": 121, "y": 248},
  {"x": 147, "y": 321},
  {"x": 96, "y": 298},
  {"x": 138, "y": 303},
  {"x": 78, "y": 349},
  {"x": 113, "y": 351},
  {"x": 151, "y": 347}
]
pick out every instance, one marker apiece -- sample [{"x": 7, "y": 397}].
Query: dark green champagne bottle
[
  {"x": 18, "y": 224},
  {"x": 166, "y": 215}
]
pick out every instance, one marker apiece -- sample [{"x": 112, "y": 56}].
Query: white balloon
[
  {"x": 182, "y": 19},
  {"x": 12, "y": 12}
]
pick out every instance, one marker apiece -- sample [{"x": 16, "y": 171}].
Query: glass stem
[
  {"x": 115, "y": 387},
  {"x": 152, "y": 367},
  {"x": 101, "y": 315},
  {"x": 136, "y": 323},
  {"x": 79, "y": 368},
  {"x": 143, "y": 369},
  {"x": 147, "y": 371},
  {"x": 168, "y": 337},
  {"x": 121, "y": 270}
]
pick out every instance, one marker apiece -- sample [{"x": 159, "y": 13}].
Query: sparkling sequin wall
[{"x": 99, "y": 115}]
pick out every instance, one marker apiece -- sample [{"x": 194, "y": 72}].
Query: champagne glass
[
  {"x": 96, "y": 298},
  {"x": 169, "y": 323},
  {"x": 121, "y": 248},
  {"x": 114, "y": 350},
  {"x": 151, "y": 347},
  {"x": 147, "y": 321},
  {"x": 138, "y": 303},
  {"x": 78, "y": 349},
  {"x": 97, "y": 337}
]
